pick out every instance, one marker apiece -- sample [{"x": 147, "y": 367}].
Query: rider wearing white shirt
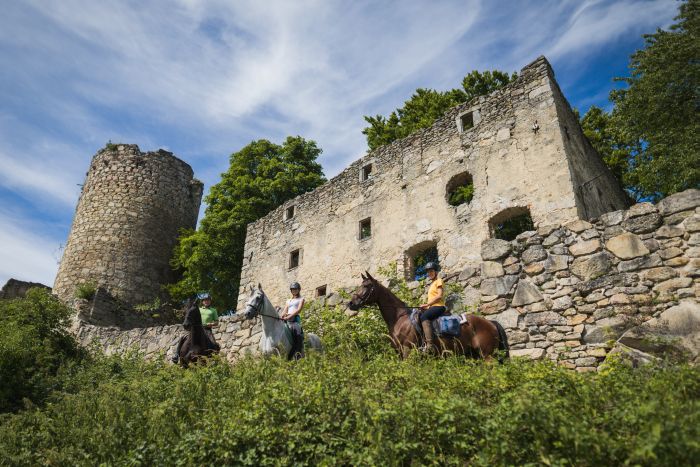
[{"x": 291, "y": 314}]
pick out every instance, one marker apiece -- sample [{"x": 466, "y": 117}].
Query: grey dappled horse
[{"x": 277, "y": 338}]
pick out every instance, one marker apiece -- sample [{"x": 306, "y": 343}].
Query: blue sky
[{"x": 204, "y": 78}]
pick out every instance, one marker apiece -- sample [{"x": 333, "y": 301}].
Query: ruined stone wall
[
  {"x": 14, "y": 288},
  {"x": 131, "y": 209},
  {"x": 567, "y": 292},
  {"x": 235, "y": 335},
  {"x": 514, "y": 154}
]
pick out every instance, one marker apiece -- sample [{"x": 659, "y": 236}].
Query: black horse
[{"x": 199, "y": 342}]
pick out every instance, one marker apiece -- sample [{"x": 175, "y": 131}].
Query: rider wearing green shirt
[{"x": 209, "y": 319}]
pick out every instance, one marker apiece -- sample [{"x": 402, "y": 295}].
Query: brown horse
[
  {"x": 200, "y": 341},
  {"x": 479, "y": 337}
]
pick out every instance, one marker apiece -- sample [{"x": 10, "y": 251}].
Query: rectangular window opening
[
  {"x": 366, "y": 172},
  {"x": 294, "y": 259},
  {"x": 467, "y": 121},
  {"x": 321, "y": 291},
  {"x": 289, "y": 213},
  {"x": 365, "y": 228}
]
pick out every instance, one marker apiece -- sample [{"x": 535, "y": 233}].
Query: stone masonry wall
[
  {"x": 567, "y": 292},
  {"x": 234, "y": 334},
  {"x": 515, "y": 154},
  {"x": 131, "y": 209}
]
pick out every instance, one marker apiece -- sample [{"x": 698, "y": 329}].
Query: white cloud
[{"x": 25, "y": 255}]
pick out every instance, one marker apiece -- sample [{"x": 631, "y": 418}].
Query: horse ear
[
  {"x": 363, "y": 277},
  {"x": 259, "y": 287},
  {"x": 251, "y": 288},
  {"x": 369, "y": 276}
]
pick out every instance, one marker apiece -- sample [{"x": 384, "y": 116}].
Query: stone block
[
  {"x": 517, "y": 337},
  {"x": 627, "y": 246},
  {"x": 490, "y": 269},
  {"x": 508, "y": 318},
  {"x": 659, "y": 274},
  {"x": 494, "y": 306},
  {"x": 498, "y": 286},
  {"x": 578, "y": 225},
  {"x": 692, "y": 224},
  {"x": 668, "y": 253},
  {"x": 590, "y": 267},
  {"x": 495, "y": 249},
  {"x": 644, "y": 262},
  {"x": 673, "y": 284},
  {"x": 467, "y": 273},
  {"x": 544, "y": 318},
  {"x": 605, "y": 329},
  {"x": 526, "y": 293},
  {"x": 640, "y": 209},
  {"x": 642, "y": 224},
  {"x": 556, "y": 263},
  {"x": 534, "y": 253},
  {"x": 534, "y": 354},
  {"x": 612, "y": 218},
  {"x": 683, "y": 201},
  {"x": 585, "y": 248},
  {"x": 670, "y": 231}
]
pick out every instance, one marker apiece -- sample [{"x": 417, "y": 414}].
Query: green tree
[
  {"x": 261, "y": 176},
  {"x": 659, "y": 108},
  {"x": 427, "y": 105}
]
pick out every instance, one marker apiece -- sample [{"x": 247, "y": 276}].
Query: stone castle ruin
[
  {"x": 521, "y": 147},
  {"x": 578, "y": 273},
  {"x": 128, "y": 218}
]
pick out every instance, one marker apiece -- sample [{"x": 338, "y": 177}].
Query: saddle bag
[{"x": 448, "y": 326}]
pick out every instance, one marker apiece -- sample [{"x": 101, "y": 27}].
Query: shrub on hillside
[
  {"x": 34, "y": 344},
  {"x": 343, "y": 408}
]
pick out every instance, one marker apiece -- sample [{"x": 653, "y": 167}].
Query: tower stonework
[
  {"x": 128, "y": 218},
  {"x": 521, "y": 147}
]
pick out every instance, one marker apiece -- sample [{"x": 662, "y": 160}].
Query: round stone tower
[{"x": 128, "y": 218}]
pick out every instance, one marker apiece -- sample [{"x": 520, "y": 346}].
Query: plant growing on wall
[
  {"x": 261, "y": 176},
  {"x": 462, "y": 194}
]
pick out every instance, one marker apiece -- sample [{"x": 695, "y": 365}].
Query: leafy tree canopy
[
  {"x": 651, "y": 139},
  {"x": 261, "y": 176},
  {"x": 427, "y": 105}
]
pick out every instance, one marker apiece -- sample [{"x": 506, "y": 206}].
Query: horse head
[
  {"x": 255, "y": 303},
  {"x": 192, "y": 315},
  {"x": 365, "y": 294}
]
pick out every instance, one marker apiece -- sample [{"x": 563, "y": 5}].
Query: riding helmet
[
  {"x": 204, "y": 296},
  {"x": 294, "y": 285},
  {"x": 433, "y": 266}
]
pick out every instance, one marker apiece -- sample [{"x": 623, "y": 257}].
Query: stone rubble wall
[
  {"x": 568, "y": 292},
  {"x": 128, "y": 218},
  {"x": 14, "y": 288},
  {"x": 236, "y": 336}
]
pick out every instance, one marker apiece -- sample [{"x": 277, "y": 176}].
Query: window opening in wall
[
  {"x": 467, "y": 121},
  {"x": 460, "y": 189},
  {"x": 294, "y": 259},
  {"x": 321, "y": 291},
  {"x": 289, "y": 213},
  {"x": 511, "y": 222},
  {"x": 365, "y": 228},
  {"x": 417, "y": 257},
  {"x": 366, "y": 172}
]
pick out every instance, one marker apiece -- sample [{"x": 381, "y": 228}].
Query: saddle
[{"x": 443, "y": 326}]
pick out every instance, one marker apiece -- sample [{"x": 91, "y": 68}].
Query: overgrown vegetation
[
  {"x": 427, "y": 105},
  {"x": 34, "y": 347},
  {"x": 462, "y": 194},
  {"x": 86, "y": 290},
  {"x": 355, "y": 404},
  {"x": 511, "y": 228}
]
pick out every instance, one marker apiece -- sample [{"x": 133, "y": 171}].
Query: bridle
[{"x": 258, "y": 310}]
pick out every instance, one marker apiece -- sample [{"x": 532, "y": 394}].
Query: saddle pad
[{"x": 447, "y": 326}]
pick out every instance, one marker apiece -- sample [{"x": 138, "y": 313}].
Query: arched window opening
[
  {"x": 460, "y": 189},
  {"x": 417, "y": 257},
  {"x": 511, "y": 222}
]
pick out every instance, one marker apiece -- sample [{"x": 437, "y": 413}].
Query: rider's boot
[
  {"x": 427, "y": 326},
  {"x": 176, "y": 357}
]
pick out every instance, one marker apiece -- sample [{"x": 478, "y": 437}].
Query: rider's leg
[
  {"x": 297, "y": 341},
  {"x": 426, "y": 318},
  {"x": 176, "y": 357}
]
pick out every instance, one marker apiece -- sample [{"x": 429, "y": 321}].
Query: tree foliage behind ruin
[
  {"x": 261, "y": 176},
  {"x": 427, "y": 105},
  {"x": 651, "y": 139}
]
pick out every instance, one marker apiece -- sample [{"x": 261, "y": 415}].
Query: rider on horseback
[
  {"x": 291, "y": 314},
  {"x": 434, "y": 307},
  {"x": 209, "y": 318}
]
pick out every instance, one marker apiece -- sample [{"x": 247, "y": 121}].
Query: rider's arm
[
  {"x": 301, "y": 305},
  {"x": 284, "y": 311}
]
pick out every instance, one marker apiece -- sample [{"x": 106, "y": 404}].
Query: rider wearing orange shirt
[{"x": 434, "y": 307}]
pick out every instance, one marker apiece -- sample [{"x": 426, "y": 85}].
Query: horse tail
[{"x": 502, "y": 342}]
